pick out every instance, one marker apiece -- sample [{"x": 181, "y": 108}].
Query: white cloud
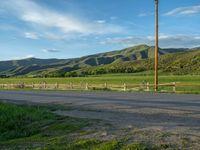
[
  {"x": 25, "y": 57},
  {"x": 29, "y": 56},
  {"x": 125, "y": 41},
  {"x": 31, "y": 35},
  {"x": 190, "y": 10},
  {"x": 119, "y": 40},
  {"x": 51, "y": 50},
  {"x": 197, "y": 37},
  {"x": 52, "y": 20},
  {"x": 101, "y": 21},
  {"x": 167, "y": 41}
]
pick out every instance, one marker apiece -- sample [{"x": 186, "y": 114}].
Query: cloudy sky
[{"x": 74, "y": 28}]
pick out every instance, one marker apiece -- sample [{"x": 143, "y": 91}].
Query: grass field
[
  {"x": 118, "y": 80},
  {"x": 110, "y": 79}
]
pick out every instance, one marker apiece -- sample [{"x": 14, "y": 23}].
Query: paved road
[{"x": 124, "y": 109}]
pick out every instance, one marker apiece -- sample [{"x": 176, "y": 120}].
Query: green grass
[
  {"x": 110, "y": 79},
  {"x": 117, "y": 79},
  {"x": 18, "y": 121},
  {"x": 111, "y": 145},
  {"x": 89, "y": 144},
  {"x": 26, "y": 121},
  {"x": 135, "y": 146},
  {"x": 29, "y": 125}
]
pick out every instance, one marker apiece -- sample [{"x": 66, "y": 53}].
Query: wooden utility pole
[{"x": 156, "y": 50}]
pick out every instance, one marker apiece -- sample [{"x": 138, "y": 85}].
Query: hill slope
[
  {"x": 177, "y": 63},
  {"x": 33, "y": 66}
]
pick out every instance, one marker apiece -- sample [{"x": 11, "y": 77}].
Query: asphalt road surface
[{"x": 145, "y": 110}]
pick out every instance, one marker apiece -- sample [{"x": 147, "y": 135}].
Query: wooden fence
[{"x": 167, "y": 87}]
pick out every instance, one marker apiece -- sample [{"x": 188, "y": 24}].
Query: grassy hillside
[
  {"x": 38, "y": 67},
  {"x": 178, "y": 64}
]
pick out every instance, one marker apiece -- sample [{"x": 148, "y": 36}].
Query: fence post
[
  {"x": 125, "y": 87},
  {"x": 44, "y": 85},
  {"x": 23, "y": 85},
  {"x": 86, "y": 86},
  {"x": 148, "y": 89},
  {"x": 40, "y": 86},
  {"x": 174, "y": 86},
  {"x": 71, "y": 85},
  {"x": 57, "y": 86},
  {"x": 105, "y": 85},
  {"x": 33, "y": 85}
]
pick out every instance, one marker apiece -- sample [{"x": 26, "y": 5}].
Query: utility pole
[{"x": 156, "y": 50}]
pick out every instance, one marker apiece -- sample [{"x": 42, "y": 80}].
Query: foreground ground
[{"x": 158, "y": 121}]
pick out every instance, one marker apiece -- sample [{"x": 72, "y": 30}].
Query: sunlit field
[
  {"x": 110, "y": 79},
  {"x": 184, "y": 84}
]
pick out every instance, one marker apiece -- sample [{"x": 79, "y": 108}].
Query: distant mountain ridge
[{"x": 34, "y": 66}]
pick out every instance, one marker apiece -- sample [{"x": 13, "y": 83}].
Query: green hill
[
  {"x": 182, "y": 63},
  {"x": 139, "y": 57}
]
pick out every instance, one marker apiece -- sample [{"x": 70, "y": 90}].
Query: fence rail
[{"x": 164, "y": 87}]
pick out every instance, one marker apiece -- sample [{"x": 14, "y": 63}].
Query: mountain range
[{"x": 133, "y": 59}]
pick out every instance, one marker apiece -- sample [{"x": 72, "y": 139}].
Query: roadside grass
[
  {"x": 37, "y": 128},
  {"x": 30, "y": 124},
  {"x": 136, "y": 146},
  {"x": 16, "y": 122},
  {"x": 89, "y": 144},
  {"x": 96, "y": 145}
]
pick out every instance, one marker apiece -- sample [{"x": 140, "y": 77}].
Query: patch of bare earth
[{"x": 160, "y": 128}]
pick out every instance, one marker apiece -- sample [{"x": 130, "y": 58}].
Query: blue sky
[{"x": 74, "y": 28}]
